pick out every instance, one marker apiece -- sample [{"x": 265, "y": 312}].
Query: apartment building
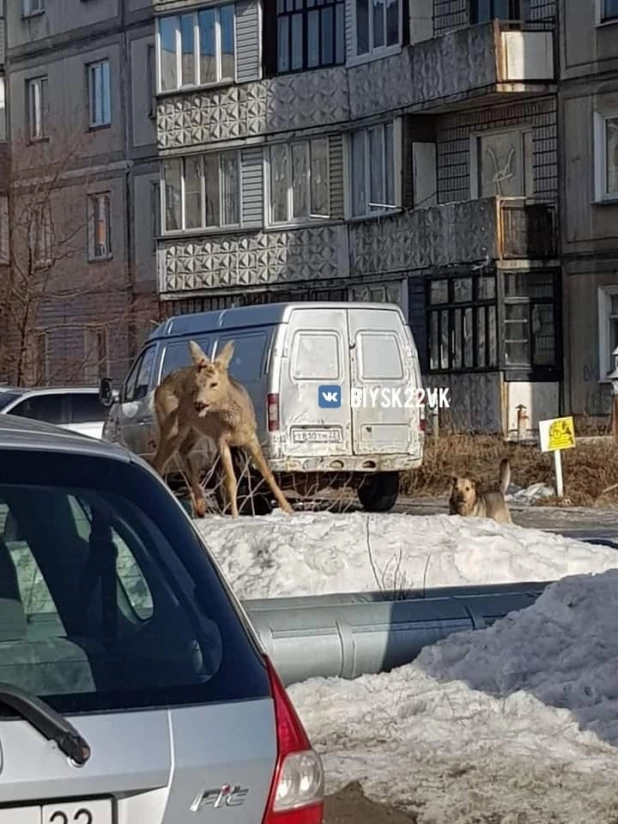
[
  {"x": 403, "y": 151},
  {"x": 84, "y": 184},
  {"x": 589, "y": 178}
]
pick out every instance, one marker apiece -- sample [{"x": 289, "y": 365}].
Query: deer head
[{"x": 211, "y": 384}]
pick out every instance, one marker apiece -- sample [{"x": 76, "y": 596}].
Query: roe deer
[{"x": 203, "y": 400}]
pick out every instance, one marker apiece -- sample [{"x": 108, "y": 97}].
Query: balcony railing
[{"x": 526, "y": 230}]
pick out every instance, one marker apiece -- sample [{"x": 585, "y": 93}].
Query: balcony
[
  {"x": 493, "y": 60},
  {"x": 442, "y": 74},
  {"x": 489, "y": 229}
]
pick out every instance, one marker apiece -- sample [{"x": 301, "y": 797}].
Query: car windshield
[
  {"x": 7, "y": 397},
  {"x": 107, "y": 598}
]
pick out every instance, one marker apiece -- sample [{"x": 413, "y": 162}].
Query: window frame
[
  {"x": 397, "y": 171},
  {"x": 92, "y": 84},
  {"x": 520, "y": 5},
  {"x": 277, "y": 14},
  {"x": 531, "y": 369},
  {"x": 180, "y": 86},
  {"x": 41, "y": 236},
  {"x": 375, "y": 53},
  {"x": 40, "y": 82},
  {"x": 601, "y": 17},
  {"x": 476, "y": 163},
  {"x": 269, "y": 189},
  {"x": 604, "y": 303},
  {"x": 203, "y": 227},
  {"x": 94, "y": 204},
  {"x": 601, "y": 195},
  {"x": 101, "y": 350},
  {"x": 32, "y": 8}
]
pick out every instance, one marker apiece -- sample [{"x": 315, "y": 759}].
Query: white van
[{"x": 283, "y": 354}]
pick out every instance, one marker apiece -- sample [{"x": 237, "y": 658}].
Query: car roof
[
  {"x": 27, "y": 434},
  {"x": 46, "y": 390},
  {"x": 265, "y": 314}
]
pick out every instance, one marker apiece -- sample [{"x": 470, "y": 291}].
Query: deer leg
[
  {"x": 255, "y": 450},
  {"x": 169, "y": 440},
  {"x": 229, "y": 476},
  {"x": 197, "y": 495}
]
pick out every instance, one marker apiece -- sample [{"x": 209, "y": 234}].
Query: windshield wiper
[{"x": 45, "y": 719}]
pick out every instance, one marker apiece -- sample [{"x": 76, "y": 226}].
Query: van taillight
[
  {"x": 297, "y": 790},
  {"x": 273, "y": 412}
]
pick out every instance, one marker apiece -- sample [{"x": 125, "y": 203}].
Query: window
[
  {"x": 249, "y": 351},
  {"x": 40, "y": 240},
  {"x": 315, "y": 356},
  {"x": 155, "y": 213},
  {"x": 608, "y": 10},
  {"x": 32, "y": 7},
  {"x": 299, "y": 181},
  {"x": 96, "y": 356},
  {"x": 197, "y": 48},
  {"x": 139, "y": 379},
  {"x": 529, "y": 319},
  {"x": 41, "y": 356},
  {"x": 374, "y": 169},
  {"x": 377, "y": 25},
  {"x": 375, "y": 364},
  {"x": 85, "y": 408},
  {"x": 48, "y": 407},
  {"x": 99, "y": 229},
  {"x": 608, "y": 329},
  {"x": 99, "y": 94},
  {"x": 606, "y": 157},
  {"x": 502, "y": 164},
  {"x": 482, "y": 11},
  {"x": 151, "y": 72},
  {"x": 202, "y": 191},
  {"x": 177, "y": 356},
  {"x": 310, "y": 34},
  {"x": 3, "y": 122},
  {"x": 381, "y": 293},
  {"x": 108, "y": 601},
  {"x": 38, "y": 110},
  {"x": 462, "y": 323}
]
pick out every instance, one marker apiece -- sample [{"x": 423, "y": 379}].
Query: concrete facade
[
  {"x": 87, "y": 71},
  {"x": 467, "y": 248}
]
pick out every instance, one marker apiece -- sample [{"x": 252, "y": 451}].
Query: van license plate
[{"x": 317, "y": 436}]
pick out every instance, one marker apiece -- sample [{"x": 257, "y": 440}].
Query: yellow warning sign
[{"x": 558, "y": 433}]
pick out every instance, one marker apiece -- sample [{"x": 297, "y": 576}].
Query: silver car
[{"x": 132, "y": 688}]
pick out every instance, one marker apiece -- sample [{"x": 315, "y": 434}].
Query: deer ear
[
  {"x": 198, "y": 356},
  {"x": 224, "y": 358}
]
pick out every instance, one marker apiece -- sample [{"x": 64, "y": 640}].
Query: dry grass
[{"x": 588, "y": 470}]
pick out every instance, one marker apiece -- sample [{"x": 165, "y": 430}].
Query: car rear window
[
  {"x": 86, "y": 408},
  {"x": 8, "y": 397},
  {"x": 107, "y": 598}
]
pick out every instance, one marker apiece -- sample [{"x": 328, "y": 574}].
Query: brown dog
[{"x": 466, "y": 499}]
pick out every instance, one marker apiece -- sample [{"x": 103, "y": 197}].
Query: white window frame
[
  {"x": 203, "y": 229},
  {"x": 40, "y": 239},
  {"x": 30, "y": 8},
  {"x": 601, "y": 195},
  {"x": 97, "y": 201},
  {"x": 93, "y": 119},
  {"x": 37, "y": 90},
  {"x": 397, "y": 172},
  {"x": 294, "y": 221},
  {"x": 600, "y": 20},
  {"x": 606, "y": 365},
  {"x": 475, "y": 160},
  {"x": 95, "y": 368},
  {"x": 374, "y": 53},
  {"x": 220, "y": 81}
]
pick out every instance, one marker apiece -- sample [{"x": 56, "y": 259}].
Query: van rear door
[
  {"x": 315, "y": 354},
  {"x": 383, "y": 358}
]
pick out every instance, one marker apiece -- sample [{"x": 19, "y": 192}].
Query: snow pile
[
  {"x": 320, "y": 553},
  {"x": 529, "y": 495},
  {"x": 511, "y": 724}
]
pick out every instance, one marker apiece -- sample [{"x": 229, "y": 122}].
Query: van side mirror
[{"x": 107, "y": 396}]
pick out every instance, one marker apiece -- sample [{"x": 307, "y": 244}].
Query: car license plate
[
  {"x": 67, "y": 812},
  {"x": 316, "y": 436}
]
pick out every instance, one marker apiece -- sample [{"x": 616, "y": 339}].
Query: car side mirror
[{"x": 107, "y": 396}]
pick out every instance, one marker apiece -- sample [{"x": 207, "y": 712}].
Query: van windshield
[{"x": 107, "y": 598}]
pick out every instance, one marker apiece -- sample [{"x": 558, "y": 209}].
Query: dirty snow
[
  {"x": 320, "y": 553},
  {"x": 515, "y": 724},
  {"x": 523, "y": 496}
]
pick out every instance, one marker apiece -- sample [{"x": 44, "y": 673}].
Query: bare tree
[{"x": 59, "y": 281}]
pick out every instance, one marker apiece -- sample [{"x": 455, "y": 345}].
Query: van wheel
[{"x": 379, "y": 492}]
